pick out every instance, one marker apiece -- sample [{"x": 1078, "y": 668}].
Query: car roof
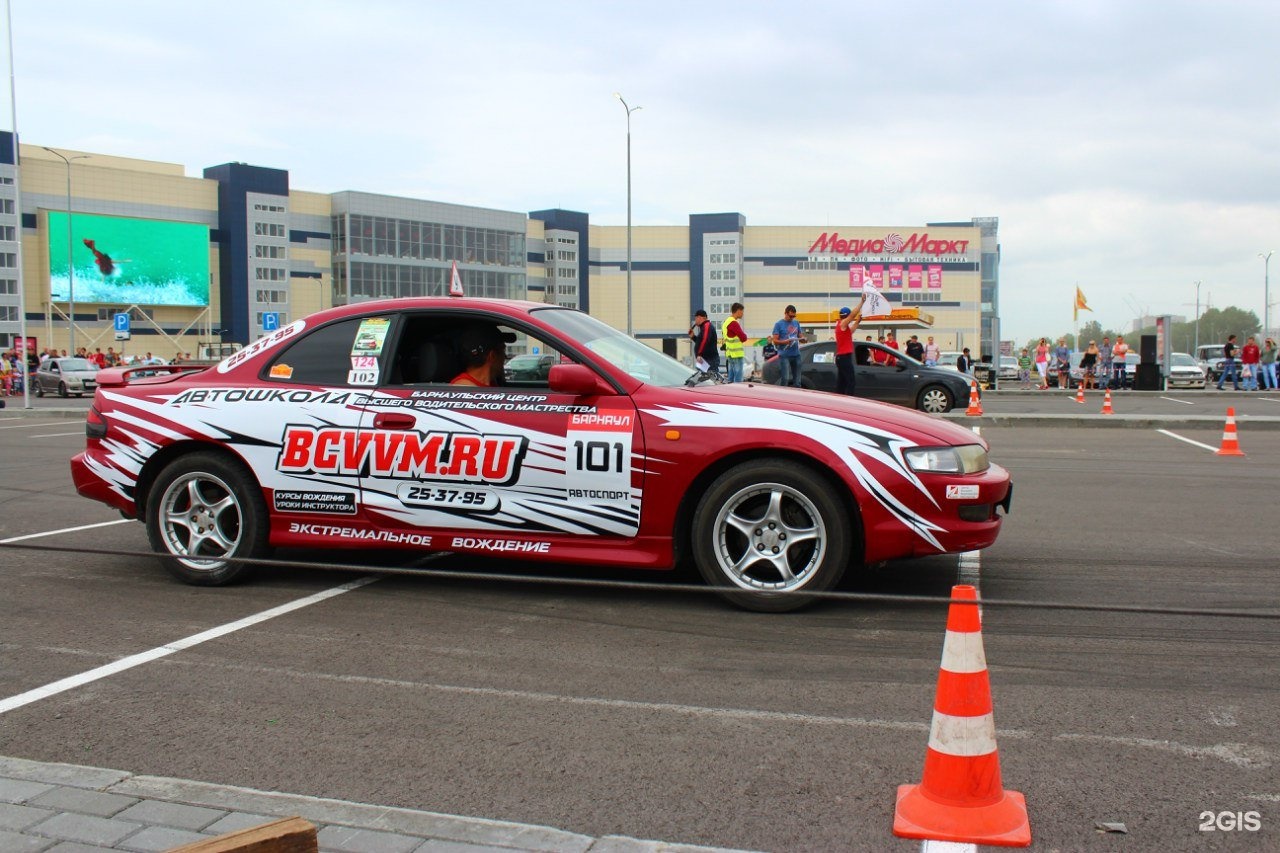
[{"x": 456, "y": 303}]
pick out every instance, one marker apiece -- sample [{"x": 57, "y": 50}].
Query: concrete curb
[
  {"x": 34, "y": 412},
  {"x": 1214, "y": 422}
]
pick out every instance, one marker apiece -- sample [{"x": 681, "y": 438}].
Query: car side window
[
  {"x": 323, "y": 356},
  {"x": 531, "y": 368}
]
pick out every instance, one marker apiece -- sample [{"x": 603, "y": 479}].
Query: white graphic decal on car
[
  {"x": 470, "y": 472},
  {"x": 851, "y": 442}
]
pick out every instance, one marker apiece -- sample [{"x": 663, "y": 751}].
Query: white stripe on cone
[
  {"x": 962, "y": 736},
  {"x": 962, "y": 652}
]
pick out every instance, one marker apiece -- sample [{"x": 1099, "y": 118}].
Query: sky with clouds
[{"x": 1129, "y": 147}]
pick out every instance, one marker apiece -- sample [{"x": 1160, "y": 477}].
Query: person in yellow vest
[{"x": 734, "y": 337}]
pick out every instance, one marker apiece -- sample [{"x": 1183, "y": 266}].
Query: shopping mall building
[{"x": 203, "y": 261}]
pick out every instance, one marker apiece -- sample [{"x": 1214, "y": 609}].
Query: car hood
[
  {"x": 928, "y": 428},
  {"x": 79, "y": 374}
]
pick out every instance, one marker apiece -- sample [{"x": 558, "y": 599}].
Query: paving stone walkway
[{"x": 66, "y": 808}]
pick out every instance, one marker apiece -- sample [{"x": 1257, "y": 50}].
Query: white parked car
[
  {"x": 981, "y": 369},
  {"x": 1185, "y": 372}
]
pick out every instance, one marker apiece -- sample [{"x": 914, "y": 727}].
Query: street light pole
[
  {"x": 1266, "y": 292},
  {"x": 71, "y": 267},
  {"x": 1197, "y": 349},
  {"x": 629, "y": 110}
]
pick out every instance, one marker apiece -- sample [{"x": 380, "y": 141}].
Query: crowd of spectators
[{"x": 14, "y": 369}]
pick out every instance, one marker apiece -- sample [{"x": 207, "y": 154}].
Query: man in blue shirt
[{"x": 786, "y": 338}]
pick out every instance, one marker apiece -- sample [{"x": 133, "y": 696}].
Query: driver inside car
[{"x": 483, "y": 351}]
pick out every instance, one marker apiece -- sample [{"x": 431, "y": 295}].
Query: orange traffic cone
[
  {"x": 1080, "y": 393},
  {"x": 975, "y": 405},
  {"x": 1106, "y": 404},
  {"x": 960, "y": 797},
  {"x": 1230, "y": 444}
]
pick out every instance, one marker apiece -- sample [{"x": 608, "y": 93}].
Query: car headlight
[{"x": 965, "y": 459}]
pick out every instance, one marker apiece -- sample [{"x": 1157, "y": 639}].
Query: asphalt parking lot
[{"x": 665, "y": 714}]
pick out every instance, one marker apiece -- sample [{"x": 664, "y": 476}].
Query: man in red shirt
[
  {"x": 892, "y": 343},
  {"x": 846, "y": 370},
  {"x": 1250, "y": 355}
]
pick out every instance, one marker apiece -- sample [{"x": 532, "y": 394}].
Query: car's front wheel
[
  {"x": 203, "y": 509},
  {"x": 767, "y": 532},
  {"x": 39, "y": 389},
  {"x": 935, "y": 400},
  {"x": 62, "y": 389}
]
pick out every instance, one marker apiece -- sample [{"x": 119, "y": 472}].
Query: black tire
[
  {"x": 206, "y": 505},
  {"x": 39, "y": 389},
  {"x": 935, "y": 399},
  {"x": 767, "y": 532},
  {"x": 62, "y": 389},
  {"x": 807, "y": 383}
]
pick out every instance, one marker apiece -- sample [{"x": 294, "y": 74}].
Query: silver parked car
[
  {"x": 1185, "y": 371},
  {"x": 65, "y": 376}
]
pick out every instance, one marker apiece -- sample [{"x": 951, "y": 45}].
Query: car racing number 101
[{"x": 598, "y": 462}]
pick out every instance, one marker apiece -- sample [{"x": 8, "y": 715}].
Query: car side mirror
[{"x": 578, "y": 380}]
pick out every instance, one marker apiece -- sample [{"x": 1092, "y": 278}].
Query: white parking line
[
  {"x": 1270, "y": 399},
  {"x": 1187, "y": 440},
  {"x": 58, "y": 434},
  {"x": 1175, "y": 400},
  {"x": 74, "y": 681},
  {"x": 44, "y": 425},
  {"x": 64, "y": 530}
]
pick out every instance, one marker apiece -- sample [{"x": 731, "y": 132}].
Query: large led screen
[{"x": 119, "y": 260}]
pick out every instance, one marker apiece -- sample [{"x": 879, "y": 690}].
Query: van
[{"x": 1209, "y": 357}]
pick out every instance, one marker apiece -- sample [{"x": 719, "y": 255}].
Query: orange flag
[{"x": 1080, "y": 303}]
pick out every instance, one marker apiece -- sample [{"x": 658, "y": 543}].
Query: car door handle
[{"x": 393, "y": 420}]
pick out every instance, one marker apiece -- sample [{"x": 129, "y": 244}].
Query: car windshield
[
  {"x": 1182, "y": 359},
  {"x": 77, "y": 364},
  {"x": 626, "y": 353}
]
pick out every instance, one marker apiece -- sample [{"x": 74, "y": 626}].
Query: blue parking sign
[
  {"x": 270, "y": 321},
  {"x": 121, "y": 324}
]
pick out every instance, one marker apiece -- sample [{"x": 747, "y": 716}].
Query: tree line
[{"x": 1215, "y": 325}]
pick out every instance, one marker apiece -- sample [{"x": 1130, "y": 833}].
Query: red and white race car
[{"x": 312, "y": 437}]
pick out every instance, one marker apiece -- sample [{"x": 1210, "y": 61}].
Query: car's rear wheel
[
  {"x": 203, "y": 509},
  {"x": 767, "y": 532},
  {"x": 935, "y": 400}
]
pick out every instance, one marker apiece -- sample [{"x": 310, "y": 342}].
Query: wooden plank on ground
[{"x": 287, "y": 835}]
